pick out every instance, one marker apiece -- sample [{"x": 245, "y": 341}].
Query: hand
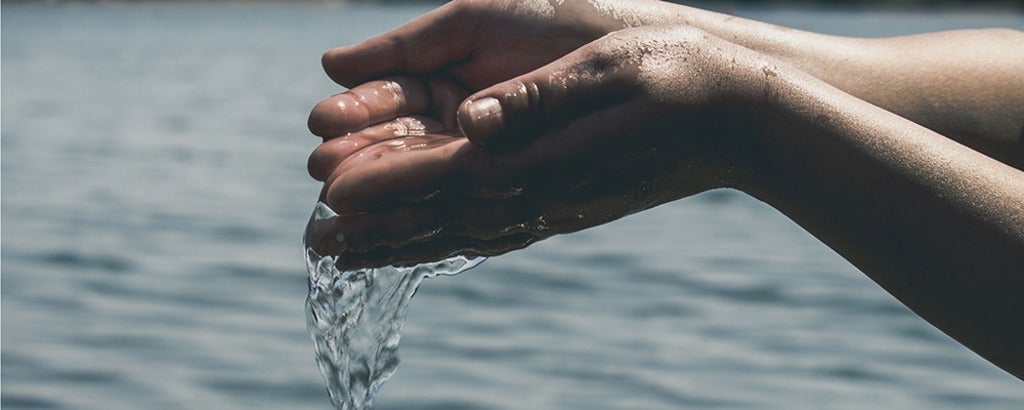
[
  {"x": 633, "y": 120},
  {"x": 644, "y": 116},
  {"x": 460, "y": 48},
  {"x": 482, "y": 42}
]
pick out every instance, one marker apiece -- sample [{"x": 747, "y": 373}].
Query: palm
[
  {"x": 417, "y": 198},
  {"x": 410, "y": 188},
  {"x": 415, "y": 191}
]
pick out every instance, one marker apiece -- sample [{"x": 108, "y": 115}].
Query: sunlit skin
[{"x": 485, "y": 126}]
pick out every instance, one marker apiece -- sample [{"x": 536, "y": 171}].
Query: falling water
[{"x": 355, "y": 318}]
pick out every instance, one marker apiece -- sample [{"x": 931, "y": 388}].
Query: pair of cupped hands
[{"x": 484, "y": 126}]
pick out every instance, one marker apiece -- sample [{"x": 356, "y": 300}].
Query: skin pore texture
[{"x": 485, "y": 126}]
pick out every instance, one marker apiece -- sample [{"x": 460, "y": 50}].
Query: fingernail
[{"x": 485, "y": 118}]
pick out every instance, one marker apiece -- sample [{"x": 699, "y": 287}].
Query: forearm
[
  {"x": 966, "y": 85},
  {"x": 938, "y": 225}
]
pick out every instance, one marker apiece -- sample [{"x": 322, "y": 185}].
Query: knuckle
[{"x": 524, "y": 96}]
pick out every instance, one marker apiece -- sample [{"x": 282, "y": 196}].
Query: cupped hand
[
  {"x": 635, "y": 119},
  {"x": 482, "y": 42},
  {"x": 462, "y": 47}
]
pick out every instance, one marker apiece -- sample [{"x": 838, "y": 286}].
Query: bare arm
[
  {"x": 645, "y": 116},
  {"x": 938, "y": 225},
  {"x": 967, "y": 85}
]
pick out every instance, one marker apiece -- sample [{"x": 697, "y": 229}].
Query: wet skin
[
  {"x": 455, "y": 153},
  {"x": 413, "y": 189}
]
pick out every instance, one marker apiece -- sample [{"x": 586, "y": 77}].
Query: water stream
[{"x": 355, "y": 318}]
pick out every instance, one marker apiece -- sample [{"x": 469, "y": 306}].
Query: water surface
[{"x": 154, "y": 195}]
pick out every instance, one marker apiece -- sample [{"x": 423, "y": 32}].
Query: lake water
[{"x": 154, "y": 195}]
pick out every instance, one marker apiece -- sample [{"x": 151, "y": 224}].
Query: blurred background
[
  {"x": 154, "y": 194},
  {"x": 711, "y": 4}
]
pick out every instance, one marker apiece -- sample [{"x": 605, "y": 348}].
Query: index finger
[
  {"x": 431, "y": 41},
  {"x": 368, "y": 104}
]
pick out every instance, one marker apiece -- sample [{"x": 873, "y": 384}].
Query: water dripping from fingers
[{"x": 355, "y": 317}]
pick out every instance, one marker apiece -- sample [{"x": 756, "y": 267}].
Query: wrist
[
  {"x": 782, "y": 106},
  {"x": 727, "y": 123},
  {"x": 811, "y": 52}
]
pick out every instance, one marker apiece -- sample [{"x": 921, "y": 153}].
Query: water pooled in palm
[{"x": 355, "y": 318}]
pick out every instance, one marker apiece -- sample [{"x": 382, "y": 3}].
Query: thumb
[{"x": 511, "y": 114}]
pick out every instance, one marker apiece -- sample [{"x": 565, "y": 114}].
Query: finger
[
  {"x": 369, "y": 191},
  {"x": 362, "y": 231},
  {"x": 423, "y": 252},
  {"x": 445, "y": 97},
  {"x": 416, "y": 165},
  {"x": 426, "y": 43},
  {"x": 368, "y": 104},
  {"x": 427, "y": 221},
  {"x": 570, "y": 151},
  {"x": 326, "y": 157},
  {"x": 510, "y": 114},
  {"x": 381, "y": 170}
]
